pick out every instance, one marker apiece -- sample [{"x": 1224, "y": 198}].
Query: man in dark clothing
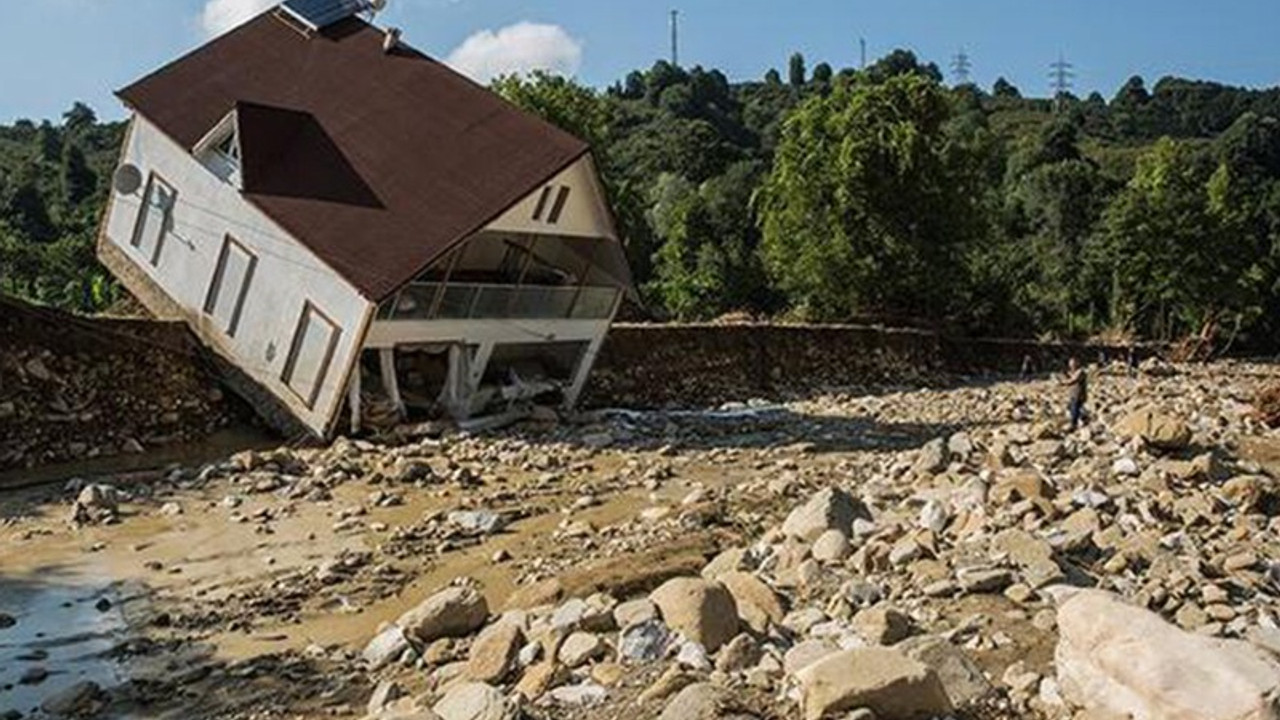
[{"x": 1078, "y": 381}]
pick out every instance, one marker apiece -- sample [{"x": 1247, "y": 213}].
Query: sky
[{"x": 56, "y": 52}]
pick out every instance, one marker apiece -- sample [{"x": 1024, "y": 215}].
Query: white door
[
  {"x": 312, "y": 351},
  {"x": 230, "y": 285}
]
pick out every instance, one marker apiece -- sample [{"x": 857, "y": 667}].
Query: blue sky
[{"x": 53, "y": 52}]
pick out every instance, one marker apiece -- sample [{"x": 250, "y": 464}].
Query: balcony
[{"x": 452, "y": 301}]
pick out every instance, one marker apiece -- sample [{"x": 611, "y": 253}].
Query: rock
[
  {"x": 33, "y": 675},
  {"x": 960, "y": 445},
  {"x": 804, "y": 654},
  {"x": 584, "y": 695},
  {"x": 699, "y": 701},
  {"x": 1125, "y": 467},
  {"x": 831, "y": 546},
  {"x": 1118, "y": 658},
  {"x": 453, "y": 612},
  {"x": 472, "y": 701},
  {"x": 99, "y": 497},
  {"x": 702, "y": 611},
  {"x": 540, "y": 678},
  {"x": 962, "y": 679},
  {"x": 581, "y": 648},
  {"x": 932, "y": 458},
  {"x": 387, "y": 692},
  {"x": 545, "y": 592},
  {"x": 1156, "y": 429},
  {"x": 828, "y": 509},
  {"x": 882, "y": 680},
  {"x": 984, "y": 580},
  {"x": 693, "y": 656},
  {"x": 644, "y": 642},
  {"x": 493, "y": 653},
  {"x": 741, "y": 653},
  {"x": 83, "y": 699},
  {"x": 730, "y": 560},
  {"x": 669, "y": 683},
  {"x": 477, "y": 522},
  {"x": 634, "y": 612},
  {"x": 385, "y": 647},
  {"x": 7, "y": 621},
  {"x": 881, "y": 625},
  {"x": 758, "y": 604}
]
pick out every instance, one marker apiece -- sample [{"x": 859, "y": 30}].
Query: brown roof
[{"x": 378, "y": 162}]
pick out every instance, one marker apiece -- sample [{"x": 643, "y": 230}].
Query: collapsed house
[{"x": 332, "y": 212}]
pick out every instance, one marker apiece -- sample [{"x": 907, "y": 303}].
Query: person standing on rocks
[{"x": 1078, "y": 380}]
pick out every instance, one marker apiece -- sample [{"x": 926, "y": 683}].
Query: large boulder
[
  {"x": 1156, "y": 429},
  {"x": 702, "y": 611},
  {"x": 699, "y": 701},
  {"x": 829, "y": 509},
  {"x": 472, "y": 701},
  {"x": 961, "y": 677},
  {"x": 882, "y": 680},
  {"x": 1116, "y": 658},
  {"x": 452, "y": 612},
  {"x": 758, "y": 604},
  {"x": 493, "y": 654}
]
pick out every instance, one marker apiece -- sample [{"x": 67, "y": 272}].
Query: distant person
[
  {"x": 1078, "y": 380},
  {"x": 1026, "y": 366},
  {"x": 1132, "y": 361}
]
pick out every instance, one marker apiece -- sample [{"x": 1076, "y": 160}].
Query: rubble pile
[
  {"x": 74, "y": 390},
  {"x": 912, "y": 554},
  {"x": 1013, "y": 569}
]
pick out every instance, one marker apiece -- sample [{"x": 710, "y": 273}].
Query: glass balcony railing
[{"x": 437, "y": 301}]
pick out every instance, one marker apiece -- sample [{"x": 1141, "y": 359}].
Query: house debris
[{"x": 333, "y": 214}]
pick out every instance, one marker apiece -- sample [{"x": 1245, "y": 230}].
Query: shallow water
[{"x": 61, "y": 628}]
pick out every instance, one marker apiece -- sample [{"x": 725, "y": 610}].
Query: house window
[
  {"x": 155, "y": 219},
  {"x": 552, "y": 213},
  {"x": 312, "y": 351},
  {"x": 230, "y": 285},
  {"x": 221, "y": 152}
]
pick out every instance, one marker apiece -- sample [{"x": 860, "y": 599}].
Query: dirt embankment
[{"x": 75, "y": 389}]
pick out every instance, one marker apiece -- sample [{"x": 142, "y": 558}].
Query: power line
[{"x": 961, "y": 67}]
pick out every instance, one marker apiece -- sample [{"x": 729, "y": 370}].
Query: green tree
[
  {"x": 869, "y": 205},
  {"x": 796, "y": 72},
  {"x": 1175, "y": 265},
  {"x": 1005, "y": 89}
]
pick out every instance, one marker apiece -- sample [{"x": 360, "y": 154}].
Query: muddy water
[
  {"x": 65, "y": 627},
  {"x": 203, "y": 554}
]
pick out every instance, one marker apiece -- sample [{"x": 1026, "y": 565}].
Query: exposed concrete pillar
[
  {"x": 353, "y": 398},
  {"x": 584, "y": 371},
  {"x": 391, "y": 383}
]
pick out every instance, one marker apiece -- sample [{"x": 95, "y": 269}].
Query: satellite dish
[{"x": 127, "y": 180}]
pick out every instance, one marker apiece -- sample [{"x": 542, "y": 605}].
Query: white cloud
[
  {"x": 520, "y": 48},
  {"x": 220, "y": 16}
]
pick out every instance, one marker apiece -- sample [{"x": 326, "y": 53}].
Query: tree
[
  {"x": 574, "y": 108},
  {"x": 902, "y": 62},
  {"x": 796, "y": 70},
  {"x": 822, "y": 74},
  {"x": 772, "y": 77},
  {"x": 79, "y": 118},
  {"x": 1005, "y": 89},
  {"x": 869, "y": 204},
  {"x": 1176, "y": 267}
]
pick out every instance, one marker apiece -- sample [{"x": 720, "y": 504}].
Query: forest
[{"x": 878, "y": 195}]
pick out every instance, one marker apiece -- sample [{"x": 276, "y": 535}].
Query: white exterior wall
[
  {"x": 286, "y": 276},
  {"x": 585, "y": 212}
]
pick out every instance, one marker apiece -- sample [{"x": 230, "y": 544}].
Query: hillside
[{"x": 833, "y": 195}]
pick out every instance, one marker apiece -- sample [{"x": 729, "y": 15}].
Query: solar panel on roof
[{"x": 319, "y": 14}]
